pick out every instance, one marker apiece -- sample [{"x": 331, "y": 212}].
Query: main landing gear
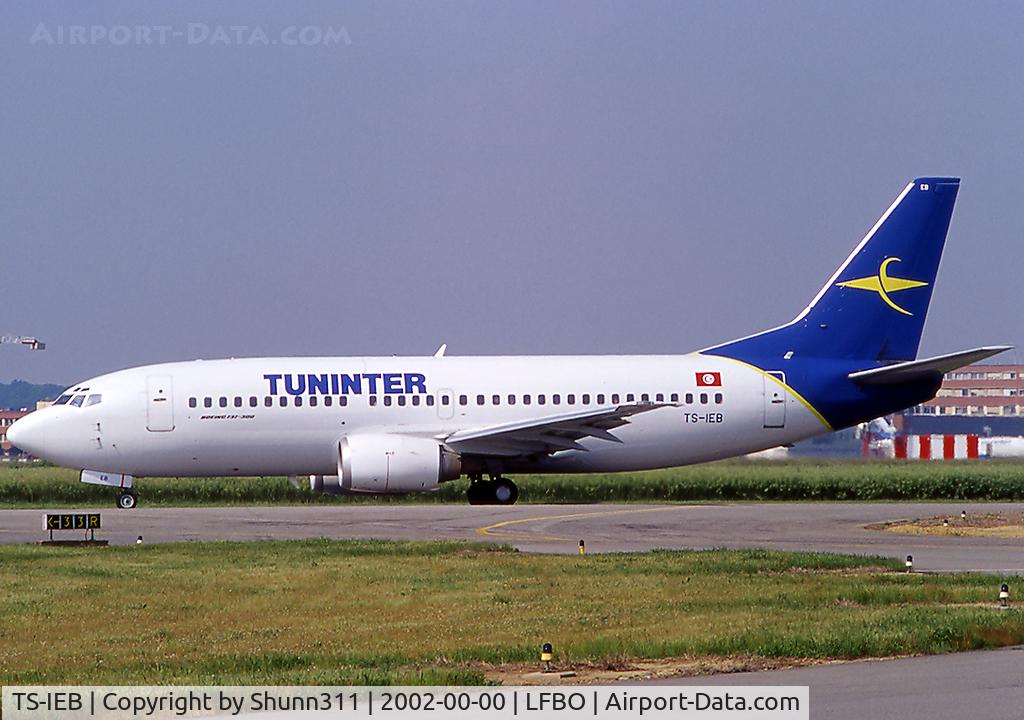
[
  {"x": 495, "y": 491},
  {"x": 127, "y": 499}
]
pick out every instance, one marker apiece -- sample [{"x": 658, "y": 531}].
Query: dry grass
[{"x": 1008, "y": 525}]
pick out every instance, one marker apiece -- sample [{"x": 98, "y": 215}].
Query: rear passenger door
[{"x": 775, "y": 398}]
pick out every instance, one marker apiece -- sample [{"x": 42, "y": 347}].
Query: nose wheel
[
  {"x": 127, "y": 500},
  {"x": 496, "y": 491}
]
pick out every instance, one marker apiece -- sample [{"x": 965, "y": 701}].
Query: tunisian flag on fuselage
[{"x": 709, "y": 379}]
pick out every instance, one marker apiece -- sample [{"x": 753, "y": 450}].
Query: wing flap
[
  {"x": 547, "y": 435},
  {"x": 927, "y": 368}
]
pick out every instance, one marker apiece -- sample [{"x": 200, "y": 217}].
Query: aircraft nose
[{"x": 26, "y": 434}]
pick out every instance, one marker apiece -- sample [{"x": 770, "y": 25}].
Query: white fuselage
[{"x": 227, "y": 417}]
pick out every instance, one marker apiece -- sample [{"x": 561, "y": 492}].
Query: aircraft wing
[
  {"x": 546, "y": 435},
  {"x": 922, "y": 369}
]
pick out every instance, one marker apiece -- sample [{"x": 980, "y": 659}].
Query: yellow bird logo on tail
[{"x": 883, "y": 284}]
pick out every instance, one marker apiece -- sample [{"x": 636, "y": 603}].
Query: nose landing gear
[
  {"x": 127, "y": 500},
  {"x": 495, "y": 491},
  {"x": 123, "y": 482}
]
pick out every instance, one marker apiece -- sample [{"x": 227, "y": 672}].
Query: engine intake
[{"x": 388, "y": 464}]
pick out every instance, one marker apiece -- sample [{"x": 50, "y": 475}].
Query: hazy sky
[{"x": 574, "y": 177}]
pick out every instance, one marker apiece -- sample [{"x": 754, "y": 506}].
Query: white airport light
[
  {"x": 583, "y": 548},
  {"x": 910, "y": 563},
  {"x": 1004, "y": 596},
  {"x": 138, "y": 540},
  {"x": 945, "y": 522},
  {"x": 963, "y": 514}
]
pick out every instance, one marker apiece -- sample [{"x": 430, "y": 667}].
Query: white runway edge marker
[{"x": 405, "y": 703}]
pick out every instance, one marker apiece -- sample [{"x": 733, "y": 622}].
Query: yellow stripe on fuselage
[{"x": 789, "y": 389}]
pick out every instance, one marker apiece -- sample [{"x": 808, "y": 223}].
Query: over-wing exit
[{"x": 400, "y": 425}]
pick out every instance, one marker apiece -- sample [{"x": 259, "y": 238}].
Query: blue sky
[{"x": 575, "y": 177}]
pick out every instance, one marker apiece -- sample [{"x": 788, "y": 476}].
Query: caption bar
[{"x": 405, "y": 703}]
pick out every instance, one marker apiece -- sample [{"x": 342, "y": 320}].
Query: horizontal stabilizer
[{"x": 905, "y": 372}]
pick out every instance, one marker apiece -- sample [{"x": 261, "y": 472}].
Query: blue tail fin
[{"x": 873, "y": 308}]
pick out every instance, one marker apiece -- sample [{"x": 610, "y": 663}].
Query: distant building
[
  {"x": 7, "y": 418},
  {"x": 978, "y": 400},
  {"x": 986, "y": 400}
]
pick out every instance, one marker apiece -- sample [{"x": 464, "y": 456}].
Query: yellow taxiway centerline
[{"x": 489, "y": 530}]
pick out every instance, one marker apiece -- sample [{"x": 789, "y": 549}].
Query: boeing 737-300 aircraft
[{"x": 401, "y": 425}]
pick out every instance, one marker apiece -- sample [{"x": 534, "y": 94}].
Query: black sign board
[{"x": 71, "y": 521}]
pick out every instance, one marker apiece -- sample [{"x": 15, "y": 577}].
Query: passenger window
[
  {"x": 479, "y": 399},
  {"x": 570, "y": 399},
  {"x": 495, "y": 400},
  {"x": 401, "y": 400},
  {"x": 238, "y": 401},
  {"x": 615, "y": 398},
  {"x": 586, "y": 398},
  {"x": 253, "y": 401},
  {"x": 77, "y": 400},
  {"x": 430, "y": 401},
  {"x": 511, "y": 399},
  {"x": 689, "y": 398},
  {"x": 542, "y": 400},
  {"x": 660, "y": 397},
  {"x": 600, "y": 398},
  {"x": 373, "y": 401},
  {"x": 223, "y": 402},
  {"x": 526, "y": 399},
  {"x": 645, "y": 398},
  {"x": 313, "y": 401},
  {"x": 207, "y": 402},
  {"x": 387, "y": 401},
  {"x": 703, "y": 398},
  {"x": 283, "y": 401},
  {"x": 556, "y": 399},
  {"x": 446, "y": 399},
  {"x": 328, "y": 400},
  {"x": 463, "y": 400},
  {"x": 268, "y": 401},
  {"x": 343, "y": 400},
  {"x": 192, "y": 402},
  {"x": 718, "y": 398},
  {"x": 415, "y": 399},
  {"x": 298, "y": 401},
  {"x": 674, "y": 397},
  {"x": 630, "y": 397}
]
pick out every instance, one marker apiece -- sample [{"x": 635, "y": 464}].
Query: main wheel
[
  {"x": 478, "y": 493},
  {"x": 503, "y": 491},
  {"x": 127, "y": 500}
]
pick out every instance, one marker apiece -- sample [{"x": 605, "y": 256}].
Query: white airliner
[{"x": 406, "y": 424}]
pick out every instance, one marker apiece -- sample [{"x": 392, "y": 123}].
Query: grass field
[
  {"x": 321, "y": 612},
  {"x": 34, "y": 486}
]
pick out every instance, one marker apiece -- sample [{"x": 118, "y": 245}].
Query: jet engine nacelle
[{"x": 388, "y": 464}]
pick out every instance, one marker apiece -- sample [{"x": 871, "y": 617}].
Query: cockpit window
[
  {"x": 62, "y": 400},
  {"x": 93, "y": 400},
  {"x": 77, "y": 400}
]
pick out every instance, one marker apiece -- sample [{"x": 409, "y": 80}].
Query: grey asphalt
[
  {"x": 837, "y": 527},
  {"x": 984, "y": 684}
]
